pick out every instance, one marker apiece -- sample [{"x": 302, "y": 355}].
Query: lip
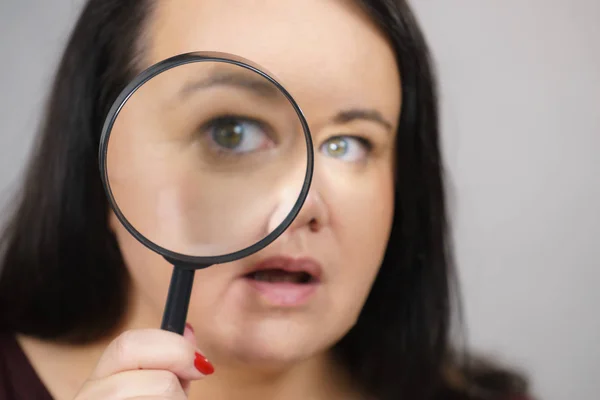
[
  {"x": 285, "y": 294},
  {"x": 289, "y": 264}
]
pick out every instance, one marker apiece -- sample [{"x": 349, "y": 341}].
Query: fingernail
[
  {"x": 190, "y": 327},
  {"x": 203, "y": 365}
]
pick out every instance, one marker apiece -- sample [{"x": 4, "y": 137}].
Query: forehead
[{"x": 327, "y": 53}]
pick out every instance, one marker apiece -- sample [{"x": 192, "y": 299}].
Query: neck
[{"x": 316, "y": 378}]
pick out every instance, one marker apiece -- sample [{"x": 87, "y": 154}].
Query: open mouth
[
  {"x": 281, "y": 276},
  {"x": 302, "y": 271},
  {"x": 285, "y": 281}
]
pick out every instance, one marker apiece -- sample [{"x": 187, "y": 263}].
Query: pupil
[
  {"x": 229, "y": 134},
  {"x": 338, "y": 147}
]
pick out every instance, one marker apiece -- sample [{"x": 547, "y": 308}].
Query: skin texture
[{"x": 331, "y": 58}]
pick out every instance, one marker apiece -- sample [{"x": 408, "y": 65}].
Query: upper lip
[{"x": 289, "y": 264}]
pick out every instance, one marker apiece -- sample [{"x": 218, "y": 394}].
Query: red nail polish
[{"x": 203, "y": 365}]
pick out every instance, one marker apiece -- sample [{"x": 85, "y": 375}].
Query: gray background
[{"x": 520, "y": 100}]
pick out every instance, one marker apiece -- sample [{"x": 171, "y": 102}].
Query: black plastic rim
[{"x": 182, "y": 59}]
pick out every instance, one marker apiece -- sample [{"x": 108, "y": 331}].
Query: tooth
[
  {"x": 262, "y": 276},
  {"x": 278, "y": 276}
]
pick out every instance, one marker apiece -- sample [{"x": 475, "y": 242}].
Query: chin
[{"x": 275, "y": 342}]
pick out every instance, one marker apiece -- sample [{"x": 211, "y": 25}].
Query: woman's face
[{"x": 332, "y": 59}]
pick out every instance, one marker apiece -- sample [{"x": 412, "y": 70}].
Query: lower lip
[{"x": 285, "y": 294}]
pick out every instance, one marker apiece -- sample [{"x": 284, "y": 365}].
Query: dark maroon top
[{"x": 18, "y": 379}]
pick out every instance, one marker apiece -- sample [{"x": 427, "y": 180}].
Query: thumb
[{"x": 189, "y": 334}]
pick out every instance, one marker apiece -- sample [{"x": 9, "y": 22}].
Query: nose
[{"x": 313, "y": 214}]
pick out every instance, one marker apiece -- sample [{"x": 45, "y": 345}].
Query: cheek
[
  {"x": 361, "y": 205},
  {"x": 150, "y": 273}
]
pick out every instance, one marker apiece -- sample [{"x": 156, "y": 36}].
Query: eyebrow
[
  {"x": 372, "y": 115},
  {"x": 266, "y": 89},
  {"x": 257, "y": 85}
]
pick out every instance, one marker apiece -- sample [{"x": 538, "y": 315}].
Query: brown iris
[{"x": 229, "y": 134}]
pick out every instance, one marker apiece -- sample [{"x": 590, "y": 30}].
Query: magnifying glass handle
[{"x": 178, "y": 300}]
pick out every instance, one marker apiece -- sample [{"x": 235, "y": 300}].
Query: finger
[
  {"x": 152, "y": 349},
  {"x": 190, "y": 336},
  {"x": 131, "y": 384}
]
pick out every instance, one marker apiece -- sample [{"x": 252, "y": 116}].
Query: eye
[
  {"x": 346, "y": 148},
  {"x": 237, "y": 135}
]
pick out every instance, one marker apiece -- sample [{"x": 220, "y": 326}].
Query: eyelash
[
  {"x": 233, "y": 117},
  {"x": 362, "y": 140},
  {"x": 368, "y": 144}
]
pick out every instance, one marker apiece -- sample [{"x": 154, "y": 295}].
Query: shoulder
[
  {"x": 484, "y": 380},
  {"x": 18, "y": 379},
  {"x": 476, "y": 393},
  {"x": 7, "y": 387}
]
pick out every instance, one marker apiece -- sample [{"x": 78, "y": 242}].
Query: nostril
[{"x": 314, "y": 225}]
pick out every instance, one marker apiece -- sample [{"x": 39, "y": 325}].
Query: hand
[{"x": 146, "y": 364}]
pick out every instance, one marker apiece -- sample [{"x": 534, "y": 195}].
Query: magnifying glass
[{"x": 205, "y": 159}]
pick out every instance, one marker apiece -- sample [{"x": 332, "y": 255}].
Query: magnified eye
[
  {"x": 237, "y": 135},
  {"x": 346, "y": 148}
]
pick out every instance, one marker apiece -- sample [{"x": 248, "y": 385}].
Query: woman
[{"x": 73, "y": 280}]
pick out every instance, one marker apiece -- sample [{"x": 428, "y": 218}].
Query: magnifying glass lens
[{"x": 206, "y": 159}]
